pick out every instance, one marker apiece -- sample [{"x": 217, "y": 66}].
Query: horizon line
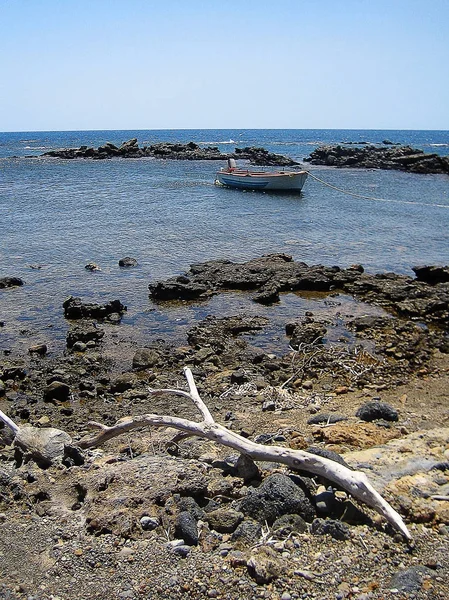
[{"x": 222, "y": 129}]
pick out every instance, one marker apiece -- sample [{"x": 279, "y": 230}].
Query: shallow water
[{"x": 60, "y": 215}]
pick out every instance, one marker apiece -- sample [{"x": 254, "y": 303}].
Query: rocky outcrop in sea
[
  {"x": 172, "y": 151},
  {"x": 401, "y": 158}
]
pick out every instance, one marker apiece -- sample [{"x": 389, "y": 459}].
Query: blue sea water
[{"x": 60, "y": 215}]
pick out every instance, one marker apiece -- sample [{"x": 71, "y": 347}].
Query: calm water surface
[{"x": 60, "y": 215}]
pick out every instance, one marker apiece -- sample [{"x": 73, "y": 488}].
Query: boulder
[
  {"x": 85, "y": 333},
  {"x": 6, "y": 282},
  {"x": 276, "y": 496},
  {"x": 145, "y": 358},
  {"x": 372, "y": 411},
  {"x": 432, "y": 274},
  {"x": 45, "y": 445},
  {"x": 57, "y": 391},
  {"x": 75, "y": 308},
  {"x": 127, "y": 262}
]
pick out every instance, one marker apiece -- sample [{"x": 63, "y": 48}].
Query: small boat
[{"x": 287, "y": 181}]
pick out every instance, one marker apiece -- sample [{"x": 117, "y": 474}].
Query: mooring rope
[{"x": 334, "y": 187}]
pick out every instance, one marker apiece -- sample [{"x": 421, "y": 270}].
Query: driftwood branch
[{"x": 354, "y": 482}]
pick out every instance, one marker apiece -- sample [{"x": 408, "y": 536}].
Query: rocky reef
[
  {"x": 424, "y": 297},
  {"x": 172, "y": 151},
  {"x": 401, "y": 158}
]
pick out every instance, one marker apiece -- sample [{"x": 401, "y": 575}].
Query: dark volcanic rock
[
  {"x": 402, "y": 158},
  {"x": 224, "y": 520},
  {"x": 87, "y": 332},
  {"x": 288, "y": 524},
  {"x": 178, "y": 288},
  {"x": 145, "y": 358},
  {"x": 57, "y": 390},
  {"x": 75, "y": 308},
  {"x": 186, "y": 528},
  {"x": 334, "y": 528},
  {"x": 411, "y": 580},
  {"x": 274, "y": 274},
  {"x": 276, "y": 496},
  {"x": 371, "y": 411},
  {"x": 330, "y": 454},
  {"x": 128, "y": 261},
  {"x": 308, "y": 333},
  {"x": 261, "y": 157},
  {"x": 6, "y": 282},
  {"x": 172, "y": 151},
  {"x": 432, "y": 274},
  {"x": 325, "y": 418}
]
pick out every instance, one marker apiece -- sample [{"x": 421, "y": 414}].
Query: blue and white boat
[{"x": 287, "y": 181}]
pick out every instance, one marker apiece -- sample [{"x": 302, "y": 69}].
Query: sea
[{"x": 56, "y": 216}]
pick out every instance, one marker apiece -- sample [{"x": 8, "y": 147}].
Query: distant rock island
[
  {"x": 401, "y": 158},
  {"x": 173, "y": 151}
]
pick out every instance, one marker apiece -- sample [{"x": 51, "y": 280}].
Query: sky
[{"x": 210, "y": 64}]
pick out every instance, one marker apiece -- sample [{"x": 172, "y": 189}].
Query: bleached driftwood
[{"x": 354, "y": 482}]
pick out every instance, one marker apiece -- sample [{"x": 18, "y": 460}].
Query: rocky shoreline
[{"x": 144, "y": 518}]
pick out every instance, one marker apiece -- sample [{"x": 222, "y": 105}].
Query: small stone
[
  {"x": 149, "y": 523},
  {"x": 334, "y": 528},
  {"x": 40, "y": 349},
  {"x": 182, "y": 550},
  {"x": 174, "y": 543},
  {"x": 145, "y": 358},
  {"x": 92, "y": 267},
  {"x": 342, "y": 389},
  {"x": 269, "y": 405},
  {"x": 127, "y": 262},
  {"x": 79, "y": 347},
  {"x": 224, "y": 520}
]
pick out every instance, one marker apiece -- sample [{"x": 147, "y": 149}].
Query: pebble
[
  {"x": 149, "y": 523},
  {"x": 182, "y": 550}
]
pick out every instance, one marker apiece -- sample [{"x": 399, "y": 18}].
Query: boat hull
[{"x": 247, "y": 180}]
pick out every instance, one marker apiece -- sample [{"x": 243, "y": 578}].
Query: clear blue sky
[{"x": 168, "y": 64}]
